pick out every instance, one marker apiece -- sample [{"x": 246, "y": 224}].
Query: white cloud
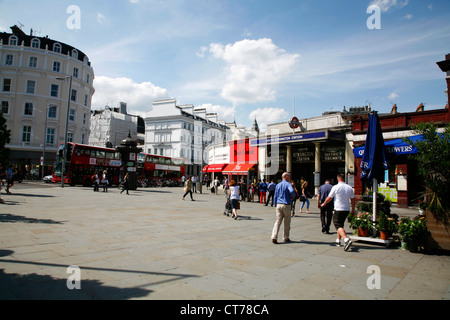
[
  {"x": 393, "y": 95},
  {"x": 138, "y": 96},
  {"x": 265, "y": 116},
  {"x": 201, "y": 53},
  {"x": 386, "y": 5},
  {"x": 100, "y": 18},
  {"x": 408, "y": 16},
  {"x": 254, "y": 69},
  {"x": 223, "y": 112}
]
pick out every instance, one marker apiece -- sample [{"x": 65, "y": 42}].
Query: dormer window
[
  {"x": 35, "y": 43},
  {"x": 74, "y": 54},
  {"x": 13, "y": 41},
  {"x": 57, "y": 48}
]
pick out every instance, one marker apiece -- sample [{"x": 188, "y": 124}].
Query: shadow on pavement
[
  {"x": 11, "y": 218},
  {"x": 45, "y": 287}
]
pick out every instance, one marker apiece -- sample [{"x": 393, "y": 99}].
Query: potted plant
[
  {"x": 362, "y": 222},
  {"x": 387, "y": 225},
  {"x": 423, "y": 205},
  {"x": 413, "y": 232}
]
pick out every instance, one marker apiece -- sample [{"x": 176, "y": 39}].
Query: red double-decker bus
[
  {"x": 153, "y": 168},
  {"x": 83, "y": 160}
]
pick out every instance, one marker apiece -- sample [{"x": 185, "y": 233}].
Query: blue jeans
[{"x": 307, "y": 203}]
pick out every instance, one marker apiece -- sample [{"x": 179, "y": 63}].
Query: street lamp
[{"x": 67, "y": 124}]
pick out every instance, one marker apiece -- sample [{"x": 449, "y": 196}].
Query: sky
[{"x": 252, "y": 59}]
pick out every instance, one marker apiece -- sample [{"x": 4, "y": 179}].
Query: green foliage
[
  {"x": 387, "y": 223},
  {"x": 433, "y": 160},
  {"x": 413, "y": 230},
  {"x": 362, "y": 220}
]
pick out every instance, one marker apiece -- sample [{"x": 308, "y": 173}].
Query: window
[
  {"x": 87, "y": 78},
  {"x": 56, "y": 66},
  {"x": 72, "y": 115},
  {"x": 161, "y": 152},
  {"x": 70, "y": 137},
  {"x": 5, "y": 107},
  {"x": 50, "y": 140},
  {"x": 26, "y": 134},
  {"x": 9, "y": 61},
  {"x": 86, "y": 100},
  {"x": 33, "y": 62},
  {"x": 31, "y": 86},
  {"x": 13, "y": 41},
  {"x": 84, "y": 118},
  {"x": 57, "y": 48},
  {"x": 52, "y": 112},
  {"x": 73, "y": 96},
  {"x": 75, "y": 72},
  {"x": 75, "y": 54},
  {"x": 83, "y": 139},
  {"x": 28, "y": 110},
  {"x": 35, "y": 43},
  {"x": 6, "y": 85},
  {"x": 54, "y": 88}
]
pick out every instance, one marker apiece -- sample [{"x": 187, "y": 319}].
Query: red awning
[
  {"x": 239, "y": 168},
  {"x": 214, "y": 167}
]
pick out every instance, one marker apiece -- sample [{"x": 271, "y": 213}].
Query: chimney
[
  {"x": 394, "y": 109},
  {"x": 123, "y": 108},
  {"x": 420, "y": 108}
]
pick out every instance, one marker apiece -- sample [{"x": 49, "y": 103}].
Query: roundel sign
[{"x": 294, "y": 123}]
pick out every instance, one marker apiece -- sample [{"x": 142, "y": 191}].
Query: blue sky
[{"x": 247, "y": 59}]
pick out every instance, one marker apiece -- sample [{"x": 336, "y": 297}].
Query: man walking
[
  {"x": 284, "y": 193},
  {"x": 342, "y": 194},
  {"x": 271, "y": 188},
  {"x": 326, "y": 213}
]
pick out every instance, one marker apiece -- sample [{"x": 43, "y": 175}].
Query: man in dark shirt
[{"x": 326, "y": 213}]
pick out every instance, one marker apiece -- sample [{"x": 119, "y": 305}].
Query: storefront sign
[
  {"x": 333, "y": 153},
  {"x": 291, "y": 138}
]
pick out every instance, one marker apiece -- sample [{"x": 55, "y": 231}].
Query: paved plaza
[{"x": 153, "y": 245}]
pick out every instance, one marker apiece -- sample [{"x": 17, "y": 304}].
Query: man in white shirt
[{"x": 343, "y": 195}]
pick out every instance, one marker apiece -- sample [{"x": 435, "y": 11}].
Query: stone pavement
[{"x": 152, "y": 245}]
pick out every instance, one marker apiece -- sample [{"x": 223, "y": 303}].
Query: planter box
[{"x": 440, "y": 233}]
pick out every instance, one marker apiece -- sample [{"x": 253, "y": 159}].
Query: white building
[
  {"x": 35, "y": 75},
  {"x": 183, "y": 132},
  {"x": 111, "y": 126}
]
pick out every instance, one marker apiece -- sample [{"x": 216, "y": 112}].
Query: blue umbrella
[{"x": 373, "y": 162}]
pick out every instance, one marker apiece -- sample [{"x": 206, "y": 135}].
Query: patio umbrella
[{"x": 373, "y": 162}]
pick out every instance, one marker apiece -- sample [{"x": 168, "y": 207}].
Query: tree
[
  {"x": 5, "y": 138},
  {"x": 433, "y": 160}
]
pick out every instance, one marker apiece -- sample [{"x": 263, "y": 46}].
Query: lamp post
[
  {"x": 67, "y": 124},
  {"x": 45, "y": 142}
]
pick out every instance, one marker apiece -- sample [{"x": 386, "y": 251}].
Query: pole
[
  {"x": 66, "y": 133},
  {"x": 375, "y": 190},
  {"x": 45, "y": 142}
]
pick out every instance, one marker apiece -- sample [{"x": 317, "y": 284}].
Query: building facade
[
  {"x": 112, "y": 125},
  {"x": 183, "y": 132},
  {"x": 35, "y": 76}
]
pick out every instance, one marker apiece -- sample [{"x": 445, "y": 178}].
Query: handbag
[
  {"x": 238, "y": 205},
  {"x": 302, "y": 198}
]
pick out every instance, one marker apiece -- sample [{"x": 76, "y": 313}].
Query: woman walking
[
  {"x": 295, "y": 199},
  {"x": 234, "y": 198},
  {"x": 304, "y": 197},
  {"x": 125, "y": 183},
  {"x": 188, "y": 188},
  {"x": 105, "y": 181}
]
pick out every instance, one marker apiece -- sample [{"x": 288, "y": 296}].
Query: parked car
[{"x": 48, "y": 179}]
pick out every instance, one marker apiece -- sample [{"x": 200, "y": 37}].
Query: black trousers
[
  {"x": 271, "y": 194},
  {"x": 326, "y": 216}
]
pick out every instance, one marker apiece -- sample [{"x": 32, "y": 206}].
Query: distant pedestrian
[
  {"x": 294, "y": 201},
  {"x": 326, "y": 213},
  {"x": 284, "y": 193},
  {"x": 125, "y": 183},
  {"x": 216, "y": 184},
  {"x": 271, "y": 188},
  {"x": 262, "y": 191},
  {"x": 188, "y": 188},
  {"x": 343, "y": 195},
  {"x": 96, "y": 181},
  {"x": 234, "y": 198},
  {"x": 105, "y": 181},
  {"x": 194, "y": 184},
  {"x": 304, "y": 197},
  {"x": 208, "y": 183},
  {"x": 9, "y": 179}
]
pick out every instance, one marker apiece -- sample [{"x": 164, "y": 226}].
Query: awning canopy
[
  {"x": 393, "y": 147},
  {"x": 239, "y": 168},
  {"x": 214, "y": 167}
]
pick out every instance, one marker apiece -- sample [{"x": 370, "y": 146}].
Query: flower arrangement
[
  {"x": 362, "y": 220},
  {"x": 414, "y": 232},
  {"x": 388, "y": 223}
]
